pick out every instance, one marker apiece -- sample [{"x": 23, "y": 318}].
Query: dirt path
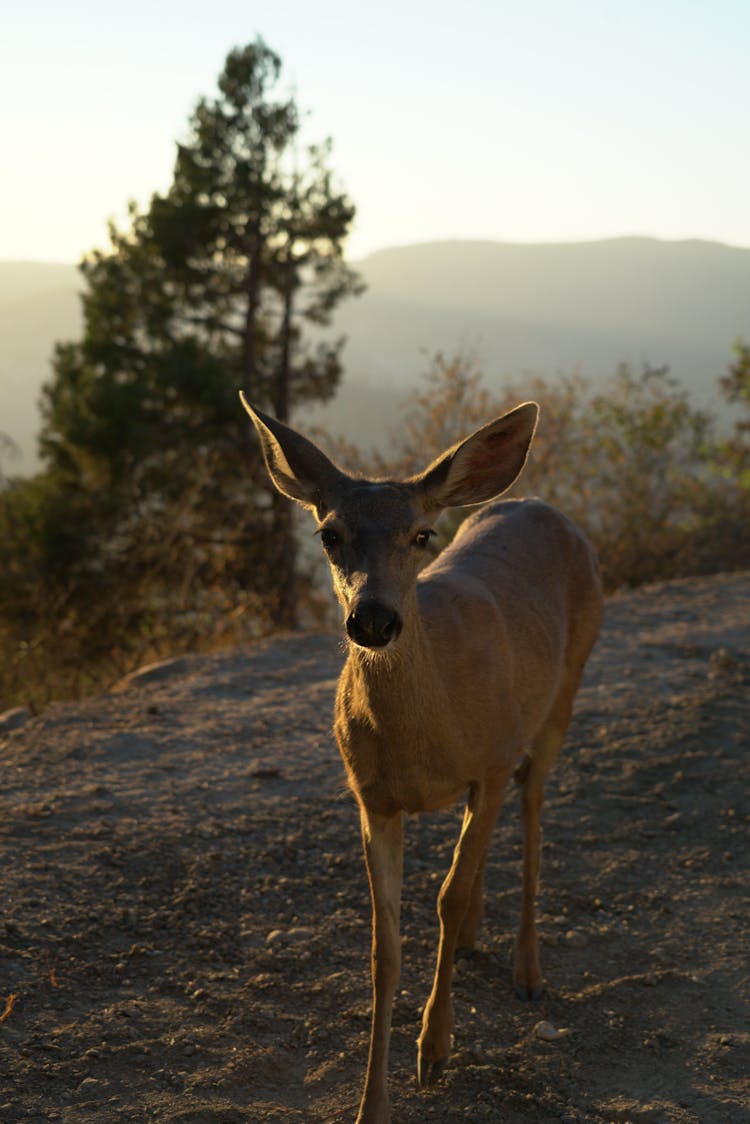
[{"x": 185, "y": 920}]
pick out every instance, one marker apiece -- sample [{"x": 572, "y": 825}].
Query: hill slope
[
  {"x": 551, "y": 307},
  {"x": 537, "y": 309},
  {"x": 39, "y": 305}
]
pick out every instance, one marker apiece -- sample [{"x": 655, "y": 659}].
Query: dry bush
[
  {"x": 85, "y": 600},
  {"x": 634, "y": 463}
]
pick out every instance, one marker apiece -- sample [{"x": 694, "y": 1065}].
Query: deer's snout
[{"x": 373, "y": 625}]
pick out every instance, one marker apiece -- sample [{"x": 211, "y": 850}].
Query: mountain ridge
[{"x": 523, "y": 308}]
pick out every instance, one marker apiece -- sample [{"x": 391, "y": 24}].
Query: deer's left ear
[
  {"x": 297, "y": 467},
  {"x": 482, "y": 466}
]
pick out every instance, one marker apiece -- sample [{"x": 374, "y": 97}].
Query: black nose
[{"x": 372, "y": 625}]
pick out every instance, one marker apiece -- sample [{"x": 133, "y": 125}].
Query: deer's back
[
  {"x": 528, "y": 556},
  {"x": 516, "y": 601}
]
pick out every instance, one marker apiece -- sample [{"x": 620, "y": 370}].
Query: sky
[{"x": 523, "y": 121}]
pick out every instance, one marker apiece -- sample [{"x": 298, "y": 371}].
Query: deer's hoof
[
  {"x": 428, "y": 1073},
  {"x": 527, "y": 993},
  {"x": 465, "y": 952}
]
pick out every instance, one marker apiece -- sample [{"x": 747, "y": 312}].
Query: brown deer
[{"x": 456, "y": 677}]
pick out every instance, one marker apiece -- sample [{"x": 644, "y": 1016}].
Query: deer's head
[{"x": 375, "y": 532}]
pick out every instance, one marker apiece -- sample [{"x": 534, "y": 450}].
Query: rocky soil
[{"x": 184, "y": 933}]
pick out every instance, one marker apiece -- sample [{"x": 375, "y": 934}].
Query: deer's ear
[
  {"x": 297, "y": 467},
  {"x": 482, "y": 466}
]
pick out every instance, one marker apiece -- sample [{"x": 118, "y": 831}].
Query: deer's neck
[
  {"x": 396, "y": 726},
  {"x": 399, "y": 684}
]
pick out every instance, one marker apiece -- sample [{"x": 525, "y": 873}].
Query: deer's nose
[{"x": 373, "y": 625}]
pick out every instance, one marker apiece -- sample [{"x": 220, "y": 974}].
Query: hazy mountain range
[{"x": 523, "y": 309}]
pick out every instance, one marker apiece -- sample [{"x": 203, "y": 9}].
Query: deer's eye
[
  {"x": 422, "y": 538},
  {"x": 329, "y": 538}
]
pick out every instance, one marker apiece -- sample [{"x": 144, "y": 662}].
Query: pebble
[
  {"x": 12, "y": 719},
  {"x": 722, "y": 664},
  {"x": 722, "y": 660},
  {"x": 549, "y": 1033},
  {"x": 575, "y": 938},
  {"x": 289, "y": 936}
]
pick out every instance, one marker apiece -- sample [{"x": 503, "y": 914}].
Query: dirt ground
[{"x": 184, "y": 932}]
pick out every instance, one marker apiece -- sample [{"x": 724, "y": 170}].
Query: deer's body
[
  {"x": 492, "y": 638},
  {"x": 456, "y": 677}
]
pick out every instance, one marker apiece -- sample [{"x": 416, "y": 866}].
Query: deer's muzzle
[{"x": 373, "y": 625}]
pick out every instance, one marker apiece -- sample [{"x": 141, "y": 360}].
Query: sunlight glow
[{"x": 547, "y": 123}]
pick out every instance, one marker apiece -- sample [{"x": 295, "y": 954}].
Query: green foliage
[
  {"x": 8, "y": 451},
  {"x": 210, "y": 289},
  {"x": 153, "y": 518},
  {"x": 735, "y": 386}
]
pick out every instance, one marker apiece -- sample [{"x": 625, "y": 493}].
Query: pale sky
[{"x": 514, "y": 120}]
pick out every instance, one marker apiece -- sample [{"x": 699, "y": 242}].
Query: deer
[{"x": 459, "y": 673}]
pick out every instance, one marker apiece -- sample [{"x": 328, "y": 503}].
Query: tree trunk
[
  {"x": 284, "y": 607},
  {"x": 281, "y": 385},
  {"x": 250, "y": 348},
  {"x": 285, "y": 614}
]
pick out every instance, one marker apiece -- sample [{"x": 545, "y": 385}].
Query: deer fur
[{"x": 458, "y": 674}]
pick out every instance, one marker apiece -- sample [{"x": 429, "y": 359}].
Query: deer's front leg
[
  {"x": 383, "y": 846},
  {"x": 483, "y": 805}
]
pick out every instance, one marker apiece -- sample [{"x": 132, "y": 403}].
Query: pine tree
[{"x": 222, "y": 283}]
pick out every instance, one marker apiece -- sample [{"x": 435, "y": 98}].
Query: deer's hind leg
[
  {"x": 467, "y": 933},
  {"x": 530, "y": 775},
  {"x": 456, "y": 894}
]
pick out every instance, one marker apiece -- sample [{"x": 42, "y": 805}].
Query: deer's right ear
[
  {"x": 297, "y": 467},
  {"x": 484, "y": 465}
]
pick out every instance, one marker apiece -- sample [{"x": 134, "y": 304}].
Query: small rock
[
  {"x": 297, "y": 935},
  {"x": 154, "y": 673},
  {"x": 722, "y": 660},
  {"x": 300, "y": 933},
  {"x": 575, "y": 938},
  {"x": 549, "y": 1033},
  {"x": 12, "y": 719}
]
